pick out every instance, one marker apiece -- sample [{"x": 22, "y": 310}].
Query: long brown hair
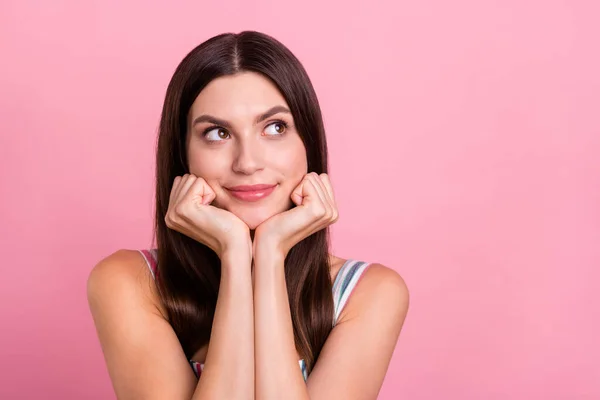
[{"x": 188, "y": 271}]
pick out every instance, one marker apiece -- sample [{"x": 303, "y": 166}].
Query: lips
[{"x": 251, "y": 192}]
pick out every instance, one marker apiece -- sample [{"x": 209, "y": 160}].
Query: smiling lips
[{"x": 251, "y": 192}]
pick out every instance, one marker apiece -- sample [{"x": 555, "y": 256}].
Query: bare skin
[
  {"x": 154, "y": 300},
  {"x": 258, "y": 145}
]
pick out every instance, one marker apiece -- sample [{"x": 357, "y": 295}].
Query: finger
[
  {"x": 296, "y": 195},
  {"x": 305, "y": 196},
  {"x": 328, "y": 187},
  {"x": 321, "y": 196},
  {"x": 328, "y": 199},
  {"x": 180, "y": 184},
  {"x": 201, "y": 192},
  {"x": 188, "y": 181},
  {"x": 314, "y": 179},
  {"x": 174, "y": 189}
]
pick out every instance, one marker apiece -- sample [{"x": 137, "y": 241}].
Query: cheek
[
  {"x": 206, "y": 165},
  {"x": 210, "y": 166},
  {"x": 293, "y": 162}
]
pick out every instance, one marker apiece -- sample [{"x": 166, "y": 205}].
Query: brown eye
[
  {"x": 276, "y": 128},
  {"x": 216, "y": 134}
]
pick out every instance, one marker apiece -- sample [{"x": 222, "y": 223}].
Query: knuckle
[
  {"x": 319, "y": 212},
  {"x": 180, "y": 210},
  {"x": 168, "y": 220}
]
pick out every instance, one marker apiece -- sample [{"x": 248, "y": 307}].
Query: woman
[{"x": 241, "y": 291}]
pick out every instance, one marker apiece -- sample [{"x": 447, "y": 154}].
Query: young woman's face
[{"x": 241, "y": 132}]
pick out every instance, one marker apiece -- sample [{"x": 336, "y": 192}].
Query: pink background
[{"x": 464, "y": 142}]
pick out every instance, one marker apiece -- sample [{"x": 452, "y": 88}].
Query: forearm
[
  {"x": 278, "y": 373},
  {"x": 229, "y": 368}
]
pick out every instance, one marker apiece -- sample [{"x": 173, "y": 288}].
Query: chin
[
  {"x": 255, "y": 219},
  {"x": 255, "y": 214}
]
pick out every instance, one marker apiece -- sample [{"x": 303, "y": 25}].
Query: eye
[
  {"x": 216, "y": 134},
  {"x": 276, "y": 128}
]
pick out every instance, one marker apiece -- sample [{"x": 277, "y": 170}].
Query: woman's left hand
[{"x": 316, "y": 209}]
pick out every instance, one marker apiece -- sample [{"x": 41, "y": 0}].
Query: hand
[
  {"x": 316, "y": 209},
  {"x": 190, "y": 213}
]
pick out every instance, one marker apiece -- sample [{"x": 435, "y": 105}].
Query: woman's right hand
[{"x": 190, "y": 213}]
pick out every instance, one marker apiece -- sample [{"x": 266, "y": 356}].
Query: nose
[{"x": 248, "y": 157}]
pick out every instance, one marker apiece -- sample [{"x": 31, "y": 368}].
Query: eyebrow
[{"x": 217, "y": 121}]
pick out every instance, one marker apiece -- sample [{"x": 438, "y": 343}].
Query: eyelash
[{"x": 278, "y": 121}]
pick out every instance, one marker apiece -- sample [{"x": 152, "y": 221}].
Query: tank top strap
[
  {"x": 151, "y": 257},
  {"x": 345, "y": 281}
]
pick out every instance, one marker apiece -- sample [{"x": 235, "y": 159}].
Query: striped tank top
[{"x": 345, "y": 282}]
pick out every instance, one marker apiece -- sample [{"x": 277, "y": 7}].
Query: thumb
[
  {"x": 304, "y": 192},
  {"x": 202, "y": 192},
  {"x": 298, "y": 193}
]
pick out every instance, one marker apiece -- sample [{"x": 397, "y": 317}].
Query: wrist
[
  {"x": 237, "y": 250},
  {"x": 265, "y": 252}
]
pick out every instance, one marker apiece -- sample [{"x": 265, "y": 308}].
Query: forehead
[{"x": 243, "y": 94}]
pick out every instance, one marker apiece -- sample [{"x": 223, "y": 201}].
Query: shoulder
[
  {"x": 357, "y": 353},
  {"x": 122, "y": 278},
  {"x": 378, "y": 277},
  {"x": 121, "y": 268},
  {"x": 381, "y": 292},
  {"x": 142, "y": 352}
]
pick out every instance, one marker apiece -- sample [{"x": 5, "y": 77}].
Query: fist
[{"x": 191, "y": 214}]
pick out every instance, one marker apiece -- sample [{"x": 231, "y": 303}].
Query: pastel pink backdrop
[{"x": 464, "y": 141}]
